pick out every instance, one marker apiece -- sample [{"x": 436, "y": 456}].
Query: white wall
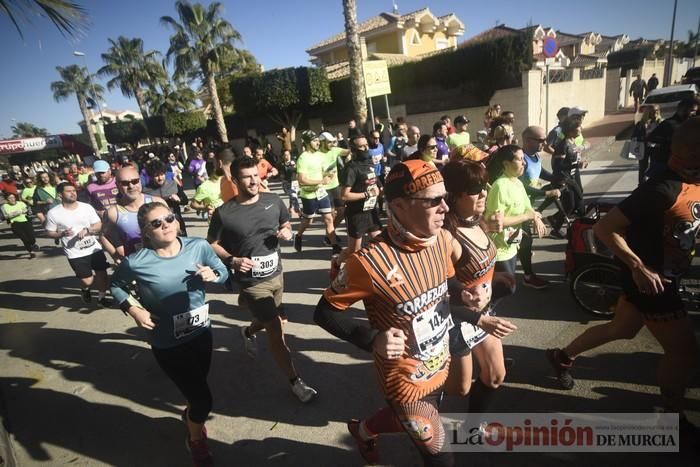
[{"x": 612, "y": 90}]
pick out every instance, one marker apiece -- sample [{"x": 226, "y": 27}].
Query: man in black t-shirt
[
  {"x": 652, "y": 235},
  {"x": 245, "y": 234},
  {"x": 359, "y": 190},
  {"x": 660, "y": 138}
]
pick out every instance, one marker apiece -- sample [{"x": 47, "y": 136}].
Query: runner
[
  {"x": 168, "y": 190},
  {"x": 460, "y": 136},
  {"x": 359, "y": 188},
  {"x": 474, "y": 255},
  {"x": 103, "y": 192},
  {"x": 652, "y": 234},
  {"x": 334, "y": 162},
  {"x": 77, "y": 225},
  {"x": 170, "y": 273},
  {"x": 245, "y": 234},
  {"x": 15, "y": 212},
  {"x": 265, "y": 168},
  {"x": 508, "y": 196},
  {"x": 121, "y": 234},
  {"x": 44, "y": 195},
  {"x": 208, "y": 195},
  {"x": 314, "y": 198},
  {"x": 402, "y": 279}
]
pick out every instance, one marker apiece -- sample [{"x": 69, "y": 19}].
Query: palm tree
[
  {"x": 69, "y": 17},
  {"x": 357, "y": 78},
  {"x": 76, "y": 80},
  {"x": 132, "y": 69},
  {"x": 28, "y": 130},
  {"x": 201, "y": 38},
  {"x": 170, "y": 97}
]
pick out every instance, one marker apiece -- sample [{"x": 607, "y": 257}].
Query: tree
[
  {"x": 357, "y": 78},
  {"x": 282, "y": 95},
  {"x": 28, "y": 130},
  {"x": 233, "y": 66},
  {"x": 132, "y": 69},
  {"x": 126, "y": 132},
  {"x": 184, "y": 123},
  {"x": 170, "y": 97},
  {"x": 201, "y": 39},
  {"x": 70, "y": 18},
  {"x": 76, "y": 80}
]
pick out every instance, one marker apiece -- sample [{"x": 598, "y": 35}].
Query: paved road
[{"x": 81, "y": 387}]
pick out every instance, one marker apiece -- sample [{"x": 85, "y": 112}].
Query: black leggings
[
  {"x": 188, "y": 366},
  {"x": 24, "y": 232}
]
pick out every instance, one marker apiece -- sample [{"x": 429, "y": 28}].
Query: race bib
[
  {"x": 369, "y": 203},
  {"x": 85, "y": 243},
  {"x": 265, "y": 265},
  {"x": 321, "y": 193},
  {"x": 430, "y": 327},
  {"x": 472, "y": 335},
  {"x": 187, "y": 323}
]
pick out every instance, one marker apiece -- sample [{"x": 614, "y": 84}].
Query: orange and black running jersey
[
  {"x": 476, "y": 265},
  {"x": 664, "y": 217},
  {"x": 408, "y": 291}
]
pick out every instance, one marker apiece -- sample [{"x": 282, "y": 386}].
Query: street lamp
[{"x": 92, "y": 85}]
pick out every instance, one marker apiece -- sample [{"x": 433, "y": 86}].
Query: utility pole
[{"x": 669, "y": 58}]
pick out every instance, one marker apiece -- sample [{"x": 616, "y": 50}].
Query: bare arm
[
  {"x": 108, "y": 220},
  {"x": 610, "y": 230}
]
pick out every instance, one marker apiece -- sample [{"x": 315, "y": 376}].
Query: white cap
[
  {"x": 577, "y": 111},
  {"x": 326, "y": 136},
  {"x": 151, "y": 155}
]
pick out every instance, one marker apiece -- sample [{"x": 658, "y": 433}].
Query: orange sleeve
[
  {"x": 353, "y": 284},
  {"x": 229, "y": 190}
]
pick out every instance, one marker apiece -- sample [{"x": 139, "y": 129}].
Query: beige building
[{"x": 392, "y": 37}]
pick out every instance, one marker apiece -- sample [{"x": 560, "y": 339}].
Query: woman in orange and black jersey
[{"x": 476, "y": 328}]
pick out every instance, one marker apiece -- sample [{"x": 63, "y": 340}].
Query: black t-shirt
[
  {"x": 359, "y": 176},
  {"x": 565, "y": 158},
  {"x": 661, "y": 136},
  {"x": 250, "y": 231},
  {"x": 664, "y": 217}
]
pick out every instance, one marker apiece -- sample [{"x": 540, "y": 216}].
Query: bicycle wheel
[{"x": 596, "y": 288}]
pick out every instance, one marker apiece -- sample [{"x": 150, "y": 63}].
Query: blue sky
[{"x": 278, "y": 33}]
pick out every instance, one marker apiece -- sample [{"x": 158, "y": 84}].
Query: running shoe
[
  {"x": 304, "y": 392},
  {"x": 337, "y": 249},
  {"x": 250, "y": 344},
  {"x": 561, "y": 365},
  {"x": 32, "y": 256},
  {"x": 535, "y": 282},
  {"x": 86, "y": 295},
  {"x": 368, "y": 448},
  {"x": 557, "y": 234},
  {"x": 105, "y": 302},
  {"x": 297, "y": 243},
  {"x": 201, "y": 457},
  {"x": 326, "y": 241}
]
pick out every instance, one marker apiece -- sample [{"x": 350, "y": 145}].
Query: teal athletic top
[{"x": 168, "y": 289}]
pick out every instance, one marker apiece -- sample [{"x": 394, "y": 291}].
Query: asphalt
[{"x": 81, "y": 387}]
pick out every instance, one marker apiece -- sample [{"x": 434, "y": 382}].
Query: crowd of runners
[{"x": 435, "y": 224}]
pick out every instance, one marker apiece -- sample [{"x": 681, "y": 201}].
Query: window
[
  {"x": 441, "y": 44},
  {"x": 415, "y": 38},
  {"x": 371, "y": 47}
]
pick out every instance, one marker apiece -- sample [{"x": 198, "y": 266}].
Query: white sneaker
[
  {"x": 250, "y": 344},
  {"x": 304, "y": 392}
]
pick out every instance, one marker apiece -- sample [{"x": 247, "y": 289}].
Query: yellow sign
[{"x": 376, "y": 78}]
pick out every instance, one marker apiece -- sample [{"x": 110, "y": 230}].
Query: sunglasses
[
  {"x": 431, "y": 202},
  {"x": 539, "y": 140},
  {"x": 158, "y": 223},
  {"x": 476, "y": 190},
  {"x": 133, "y": 181},
  {"x": 431, "y": 146}
]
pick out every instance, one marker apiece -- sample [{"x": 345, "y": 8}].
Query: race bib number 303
[
  {"x": 187, "y": 323},
  {"x": 265, "y": 265}
]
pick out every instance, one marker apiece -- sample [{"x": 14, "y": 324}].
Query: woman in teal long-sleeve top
[{"x": 170, "y": 273}]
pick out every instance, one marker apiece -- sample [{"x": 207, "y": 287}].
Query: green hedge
[
  {"x": 278, "y": 90},
  {"x": 184, "y": 123},
  {"x": 465, "y": 77},
  {"x": 630, "y": 58},
  {"x": 125, "y": 132}
]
